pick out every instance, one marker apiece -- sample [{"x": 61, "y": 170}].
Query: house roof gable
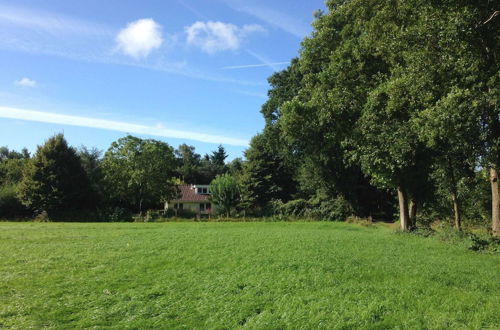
[{"x": 187, "y": 193}]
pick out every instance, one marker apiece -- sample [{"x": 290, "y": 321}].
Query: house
[{"x": 192, "y": 198}]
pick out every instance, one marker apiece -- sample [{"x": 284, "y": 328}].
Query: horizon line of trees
[{"x": 71, "y": 184}]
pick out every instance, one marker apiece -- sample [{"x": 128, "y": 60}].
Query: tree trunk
[
  {"x": 454, "y": 196},
  {"x": 457, "y": 211},
  {"x": 404, "y": 216},
  {"x": 495, "y": 202},
  {"x": 413, "y": 213}
]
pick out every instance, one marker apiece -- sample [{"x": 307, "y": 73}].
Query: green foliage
[
  {"x": 337, "y": 209},
  {"x": 265, "y": 173},
  {"x": 392, "y": 95},
  {"x": 114, "y": 214},
  {"x": 473, "y": 241},
  {"x": 10, "y": 205},
  {"x": 225, "y": 193},
  {"x": 294, "y": 208},
  {"x": 139, "y": 173},
  {"x": 54, "y": 180},
  {"x": 318, "y": 208},
  {"x": 235, "y": 275},
  {"x": 193, "y": 169},
  {"x": 189, "y": 163},
  {"x": 91, "y": 163},
  {"x": 6, "y": 154},
  {"x": 11, "y": 170}
]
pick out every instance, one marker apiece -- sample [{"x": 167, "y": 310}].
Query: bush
[
  {"x": 479, "y": 242},
  {"x": 115, "y": 214},
  {"x": 294, "y": 208},
  {"x": 10, "y": 205},
  {"x": 186, "y": 214},
  {"x": 336, "y": 209}
]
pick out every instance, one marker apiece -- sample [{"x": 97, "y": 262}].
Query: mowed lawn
[{"x": 240, "y": 275}]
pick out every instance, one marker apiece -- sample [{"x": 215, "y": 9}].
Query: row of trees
[
  {"x": 133, "y": 175},
  {"x": 388, "y": 99}
]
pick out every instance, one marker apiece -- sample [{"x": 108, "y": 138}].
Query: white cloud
[
  {"x": 212, "y": 37},
  {"x": 140, "y": 38},
  {"x": 26, "y": 82},
  {"x": 156, "y": 130}
]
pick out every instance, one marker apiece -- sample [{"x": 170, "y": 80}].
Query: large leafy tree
[
  {"x": 265, "y": 174},
  {"x": 482, "y": 20},
  {"x": 139, "y": 173},
  {"x": 54, "y": 179},
  {"x": 337, "y": 70}
]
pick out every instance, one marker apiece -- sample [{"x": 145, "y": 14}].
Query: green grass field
[{"x": 240, "y": 275}]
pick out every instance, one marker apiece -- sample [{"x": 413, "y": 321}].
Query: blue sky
[{"x": 176, "y": 70}]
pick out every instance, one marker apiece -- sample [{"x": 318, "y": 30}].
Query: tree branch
[{"x": 495, "y": 14}]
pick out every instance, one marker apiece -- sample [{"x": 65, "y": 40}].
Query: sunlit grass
[{"x": 230, "y": 275}]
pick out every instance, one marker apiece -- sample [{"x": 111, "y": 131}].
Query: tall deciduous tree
[
  {"x": 225, "y": 193},
  {"x": 54, "y": 179},
  {"x": 140, "y": 172}
]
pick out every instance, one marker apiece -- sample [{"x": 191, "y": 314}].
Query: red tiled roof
[{"x": 188, "y": 194}]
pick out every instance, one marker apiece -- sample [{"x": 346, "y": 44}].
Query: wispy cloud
[
  {"x": 264, "y": 60},
  {"x": 249, "y": 66},
  {"x": 55, "y": 24},
  {"x": 156, "y": 130},
  {"x": 272, "y": 17},
  {"x": 212, "y": 37},
  {"x": 25, "y": 82},
  {"x": 193, "y": 10}
]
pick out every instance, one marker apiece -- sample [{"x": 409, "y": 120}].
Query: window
[
  {"x": 205, "y": 207},
  {"x": 178, "y": 206},
  {"x": 203, "y": 190}
]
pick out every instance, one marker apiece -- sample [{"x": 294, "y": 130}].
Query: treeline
[
  {"x": 63, "y": 183},
  {"x": 390, "y": 105}
]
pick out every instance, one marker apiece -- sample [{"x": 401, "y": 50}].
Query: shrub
[
  {"x": 115, "y": 214},
  {"x": 10, "y": 205},
  {"x": 294, "y": 208},
  {"x": 336, "y": 209}
]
